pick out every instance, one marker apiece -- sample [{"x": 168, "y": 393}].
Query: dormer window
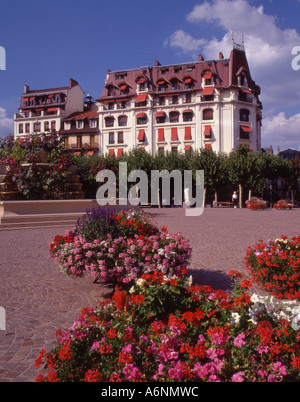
[
  {"x": 208, "y": 78},
  {"x": 242, "y": 80},
  {"x": 93, "y": 123},
  {"x": 110, "y": 90},
  {"x": 124, "y": 88},
  {"x": 188, "y": 83},
  {"x": 174, "y": 84},
  {"x": 142, "y": 83},
  {"x": 162, "y": 85},
  {"x": 79, "y": 124}
]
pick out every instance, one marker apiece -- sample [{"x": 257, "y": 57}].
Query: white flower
[
  {"x": 235, "y": 318},
  {"x": 141, "y": 282}
]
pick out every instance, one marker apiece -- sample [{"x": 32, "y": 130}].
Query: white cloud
[
  {"x": 281, "y": 131},
  {"x": 268, "y": 49},
  {"x": 6, "y": 124},
  {"x": 185, "y": 41}
]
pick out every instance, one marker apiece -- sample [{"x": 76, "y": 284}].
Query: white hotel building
[{"x": 212, "y": 104}]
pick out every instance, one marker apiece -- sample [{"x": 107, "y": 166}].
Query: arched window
[
  {"x": 174, "y": 117},
  {"x": 122, "y": 120},
  {"x": 208, "y": 114},
  {"x": 187, "y": 115},
  {"x": 109, "y": 121}
]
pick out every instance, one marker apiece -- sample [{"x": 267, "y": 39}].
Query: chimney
[
  {"x": 26, "y": 89},
  {"x": 221, "y": 56},
  {"x": 201, "y": 57},
  {"x": 157, "y": 63},
  {"x": 72, "y": 83}
]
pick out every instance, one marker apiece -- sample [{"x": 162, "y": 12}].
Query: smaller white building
[{"x": 43, "y": 110}]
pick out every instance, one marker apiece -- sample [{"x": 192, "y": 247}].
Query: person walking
[{"x": 235, "y": 199}]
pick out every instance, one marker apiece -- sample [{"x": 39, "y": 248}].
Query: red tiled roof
[
  {"x": 223, "y": 70},
  {"x": 91, "y": 114}
]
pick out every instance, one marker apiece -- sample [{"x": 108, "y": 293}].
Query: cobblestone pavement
[{"x": 38, "y": 299}]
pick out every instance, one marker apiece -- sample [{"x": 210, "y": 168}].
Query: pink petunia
[{"x": 238, "y": 377}]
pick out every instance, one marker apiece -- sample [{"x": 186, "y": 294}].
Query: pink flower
[
  {"x": 278, "y": 366},
  {"x": 127, "y": 348},
  {"x": 160, "y": 371},
  {"x": 200, "y": 370},
  {"x": 131, "y": 372},
  {"x": 238, "y": 377},
  {"x": 272, "y": 378},
  {"x": 239, "y": 340}
]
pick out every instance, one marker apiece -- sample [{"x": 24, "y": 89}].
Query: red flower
[{"x": 120, "y": 298}]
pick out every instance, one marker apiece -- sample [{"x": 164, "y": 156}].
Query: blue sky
[{"x": 47, "y": 42}]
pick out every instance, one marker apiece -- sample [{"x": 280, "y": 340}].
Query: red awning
[
  {"x": 207, "y": 75},
  {"x": 161, "y": 82},
  {"x": 141, "y": 135},
  {"x": 50, "y": 96},
  {"x": 123, "y": 86},
  {"x": 161, "y": 135},
  {"x": 111, "y": 152},
  {"x": 141, "y": 98},
  {"x": 33, "y": 98},
  {"x": 141, "y": 115},
  {"x": 246, "y": 129},
  {"x": 52, "y": 109},
  {"x": 207, "y": 131},
  {"x": 174, "y": 134},
  {"x": 25, "y": 99},
  {"x": 187, "y": 80},
  {"x": 187, "y": 147},
  {"x": 207, "y": 91},
  {"x": 91, "y": 152},
  {"x": 187, "y": 111},
  {"x": 246, "y": 91},
  {"x": 77, "y": 152},
  {"x": 141, "y": 80},
  {"x": 188, "y": 133},
  {"x": 160, "y": 114}
]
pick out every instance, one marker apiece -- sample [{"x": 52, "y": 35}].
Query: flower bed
[
  {"x": 164, "y": 328},
  {"x": 275, "y": 266},
  {"x": 137, "y": 246},
  {"x": 167, "y": 329},
  {"x": 282, "y": 204},
  {"x": 256, "y": 203}
]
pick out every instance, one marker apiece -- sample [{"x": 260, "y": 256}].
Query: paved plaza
[{"x": 38, "y": 299}]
